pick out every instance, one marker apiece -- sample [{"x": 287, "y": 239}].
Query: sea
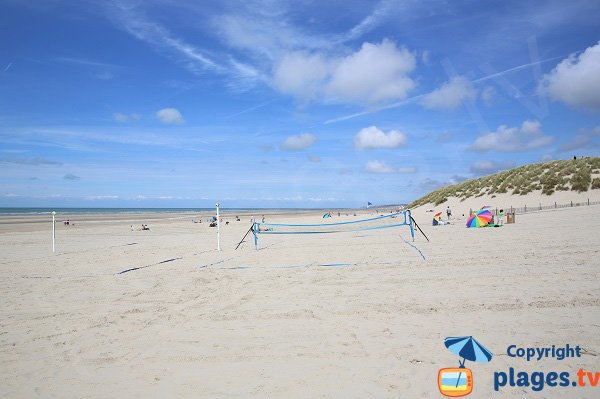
[{"x": 112, "y": 211}]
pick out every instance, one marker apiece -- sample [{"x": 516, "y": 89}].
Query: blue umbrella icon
[{"x": 469, "y": 349}]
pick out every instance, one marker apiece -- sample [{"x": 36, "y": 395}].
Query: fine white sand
[{"x": 274, "y": 323}]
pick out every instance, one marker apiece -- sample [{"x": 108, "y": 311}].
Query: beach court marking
[
  {"x": 143, "y": 267},
  {"x": 338, "y": 264},
  {"x": 289, "y": 267},
  {"x": 421, "y": 253}
]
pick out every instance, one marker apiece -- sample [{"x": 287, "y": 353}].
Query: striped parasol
[{"x": 480, "y": 218}]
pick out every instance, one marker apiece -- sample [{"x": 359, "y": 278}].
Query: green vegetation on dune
[{"x": 571, "y": 175}]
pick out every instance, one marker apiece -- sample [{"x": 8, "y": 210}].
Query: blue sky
[{"x": 286, "y": 104}]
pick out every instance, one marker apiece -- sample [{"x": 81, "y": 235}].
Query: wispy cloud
[
  {"x": 29, "y": 161},
  {"x": 490, "y": 166},
  {"x": 450, "y": 95},
  {"x": 514, "y": 69},
  {"x": 70, "y": 176},
  {"x": 103, "y": 75},
  {"x": 88, "y": 140},
  {"x": 197, "y": 60},
  {"x": 7, "y": 67},
  {"x": 381, "y": 12},
  {"x": 98, "y": 70},
  {"x": 86, "y": 62},
  {"x": 298, "y": 142},
  {"x": 120, "y": 117},
  {"x": 370, "y": 111},
  {"x": 136, "y": 24},
  {"x": 251, "y": 108},
  {"x": 382, "y": 167},
  {"x": 259, "y": 35}
]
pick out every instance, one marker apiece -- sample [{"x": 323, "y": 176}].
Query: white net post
[
  {"x": 53, "y": 230},
  {"x": 218, "y": 229}
]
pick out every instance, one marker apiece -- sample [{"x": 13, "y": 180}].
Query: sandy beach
[{"x": 349, "y": 315}]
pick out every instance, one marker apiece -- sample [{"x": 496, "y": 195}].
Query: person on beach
[{"x": 448, "y": 212}]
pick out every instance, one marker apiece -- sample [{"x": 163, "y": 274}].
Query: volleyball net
[{"x": 391, "y": 220}]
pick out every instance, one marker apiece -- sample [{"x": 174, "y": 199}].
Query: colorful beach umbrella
[
  {"x": 480, "y": 218},
  {"x": 437, "y": 216},
  {"x": 469, "y": 349}
]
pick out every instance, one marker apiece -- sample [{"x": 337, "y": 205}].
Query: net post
[
  {"x": 53, "y": 230},
  {"x": 218, "y": 229},
  {"x": 254, "y": 226},
  {"x": 410, "y": 224}
]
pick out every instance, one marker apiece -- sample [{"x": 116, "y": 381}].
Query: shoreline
[{"x": 35, "y": 222}]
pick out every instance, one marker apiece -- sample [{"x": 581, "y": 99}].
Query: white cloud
[
  {"x": 120, "y": 117},
  {"x": 488, "y": 167},
  {"x": 379, "y": 167},
  {"x": 382, "y": 167},
  {"x": 576, "y": 80},
  {"x": 456, "y": 179},
  {"x": 298, "y": 142},
  {"x": 450, "y": 95},
  {"x": 513, "y": 139},
  {"x": 259, "y": 38},
  {"x": 431, "y": 184},
  {"x": 587, "y": 138},
  {"x": 376, "y": 73},
  {"x": 101, "y": 197},
  {"x": 372, "y": 137},
  {"x": 301, "y": 74},
  {"x": 170, "y": 116}
]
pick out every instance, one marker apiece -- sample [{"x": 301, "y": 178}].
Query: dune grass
[{"x": 565, "y": 175}]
